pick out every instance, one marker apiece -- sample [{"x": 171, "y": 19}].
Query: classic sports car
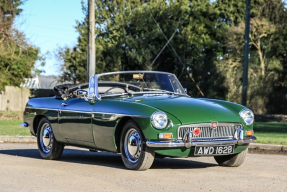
[{"x": 140, "y": 114}]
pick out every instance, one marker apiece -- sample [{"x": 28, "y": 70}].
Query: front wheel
[
  {"x": 135, "y": 154},
  {"x": 48, "y": 146},
  {"x": 231, "y": 160}
]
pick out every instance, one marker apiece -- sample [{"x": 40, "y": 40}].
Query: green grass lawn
[
  {"x": 12, "y": 127},
  {"x": 271, "y": 132},
  {"x": 266, "y": 132}
]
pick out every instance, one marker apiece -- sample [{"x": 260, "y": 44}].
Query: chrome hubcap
[
  {"x": 132, "y": 145},
  {"x": 46, "y": 138}
]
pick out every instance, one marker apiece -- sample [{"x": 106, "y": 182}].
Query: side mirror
[
  {"x": 185, "y": 90},
  {"x": 80, "y": 93}
]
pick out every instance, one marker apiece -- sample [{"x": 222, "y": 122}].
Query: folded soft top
[{"x": 69, "y": 88}]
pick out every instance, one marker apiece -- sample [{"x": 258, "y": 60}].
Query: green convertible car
[{"x": 140, "y": 114}]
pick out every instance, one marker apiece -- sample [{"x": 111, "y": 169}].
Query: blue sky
[{"x": 49, "y": 24}]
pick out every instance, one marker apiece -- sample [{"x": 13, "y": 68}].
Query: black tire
[
  {"x": 48, "y": 146},
  {"x": 231, "y": 160},
  {"x": 135, "y": 154}
]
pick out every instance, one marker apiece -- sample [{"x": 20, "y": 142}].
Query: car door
[
  {"x": 75, "y": 121},
  {"x": 104, "y": 120}
]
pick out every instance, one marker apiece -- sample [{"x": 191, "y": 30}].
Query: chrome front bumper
[{"x": 188, "y": 141}]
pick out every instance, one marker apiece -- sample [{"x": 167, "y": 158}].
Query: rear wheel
[
  {"x": 231, "y": 160},
  {"x": 135, "y": 154},
  {"x": 48, "y": 146}
]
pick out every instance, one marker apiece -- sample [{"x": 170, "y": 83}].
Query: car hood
[{"x": 190, "y": 110}]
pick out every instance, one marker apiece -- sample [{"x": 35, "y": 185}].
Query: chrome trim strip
[
  {"x": 42, "y": 108},
  {"x": 138, "y": 71},
  {"x": 210, "y": 124},
  {"x": 212, "y": 138},
  {"x": 130, "y": 115},
  {"x": 180, "y": 143},
  {"x": 97, "y": 94},
  {"x": 144, "y": 93},
  {"x": 86, "y": 112},
  {"x": 164, "y": 144}
]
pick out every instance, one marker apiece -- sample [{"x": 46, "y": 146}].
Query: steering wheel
[
  {"x": 130, "y": 86},
  {"x": 114, "y": 88}
]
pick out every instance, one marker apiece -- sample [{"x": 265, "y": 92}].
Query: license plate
[{"x": 214, "y": 150}]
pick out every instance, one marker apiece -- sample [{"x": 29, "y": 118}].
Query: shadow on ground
[{"x": 108, "y": 159}]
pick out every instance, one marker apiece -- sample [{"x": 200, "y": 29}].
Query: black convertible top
[{"x": 68, "y": 88}]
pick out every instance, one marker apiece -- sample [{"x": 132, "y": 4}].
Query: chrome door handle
[{"x": 64, "y": 104}]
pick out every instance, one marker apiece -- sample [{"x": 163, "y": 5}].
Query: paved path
[{"x": 22, "y": 169}]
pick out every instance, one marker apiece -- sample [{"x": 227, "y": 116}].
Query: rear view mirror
[{"x": 138, "y": 76}]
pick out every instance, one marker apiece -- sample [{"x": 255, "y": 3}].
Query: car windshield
[{"x": 138, "y": 82}]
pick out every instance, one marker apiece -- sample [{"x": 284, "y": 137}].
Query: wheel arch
[
  {"x": 36, "y": 122},
  {"x": 119, "y": 128}
]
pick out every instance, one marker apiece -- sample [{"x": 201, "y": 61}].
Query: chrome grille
[{"x": 206, "y": 130}]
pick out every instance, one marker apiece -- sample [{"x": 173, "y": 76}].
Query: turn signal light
[
  {"x": 249, "y": 133},
  {"x": 165, "y": 135}
]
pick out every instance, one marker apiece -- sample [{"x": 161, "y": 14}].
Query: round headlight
[
  {"x": 247, "y": 115},
  {"x": 159, "y": 120}
]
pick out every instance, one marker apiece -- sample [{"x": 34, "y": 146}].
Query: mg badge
[
  {"x": 213, "y": 129},
  {"x": 214, "y": 125},
  {"x": 196, "y": 131}
]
